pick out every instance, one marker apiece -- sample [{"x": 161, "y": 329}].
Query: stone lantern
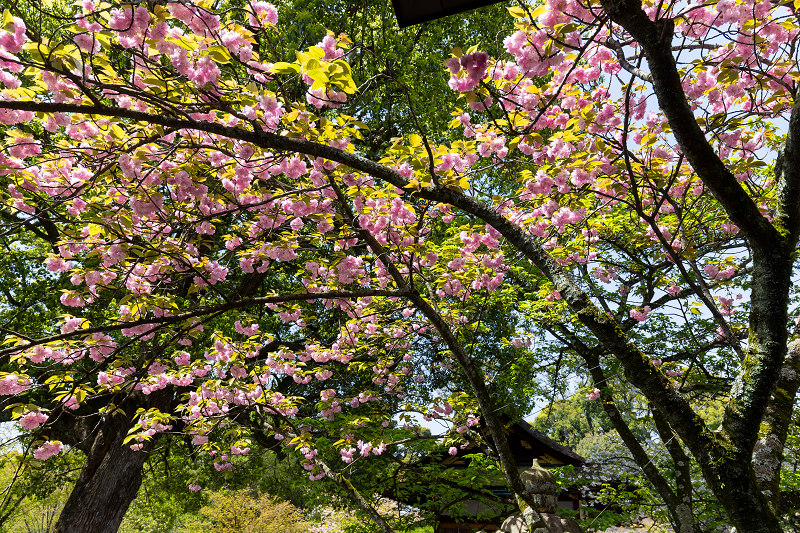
[{"x": 541, "y": 485}]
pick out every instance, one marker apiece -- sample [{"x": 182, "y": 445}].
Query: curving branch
[
  {"x": 654, "y": 384},
  {"x": 655, "y": 39},
  {"x": 749, "y": 399},
  {"x": 616, "y": 46},
  {"x": 682, "y": 516},
  {"x": 471, "y": 371},
  {"x": 173, "y": 319}
]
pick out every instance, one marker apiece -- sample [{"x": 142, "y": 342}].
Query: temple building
[{"x": 488, "y": 502}]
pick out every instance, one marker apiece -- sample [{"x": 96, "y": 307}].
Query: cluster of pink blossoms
[
  {"x": 546, "y": 207},
  {"x": 47, "y": 450},
  {"x": 12, "y": 41},
  {"x": 14, "y": 384},
  {"x": 467, "y": 71},
  {"x": 32, "y": 420}
]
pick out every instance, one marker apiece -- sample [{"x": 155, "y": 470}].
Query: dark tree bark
[
  {"x": 103, "y": 494},
  {"x": 678, "y": 500},
  {"x": 727, "y": 464},
  {"x": 111, "y": 474}
]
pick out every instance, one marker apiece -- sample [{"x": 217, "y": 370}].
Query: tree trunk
[
  {"x": 735, "y": 486},
  {"x": 102, "y": 495},
  {"x": 678, "y": 501},
  {"x": 768, "y": 453},
  {"x": 110, "y": 476}
]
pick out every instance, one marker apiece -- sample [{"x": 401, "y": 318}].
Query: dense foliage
[{"x": 240, "y": 257}]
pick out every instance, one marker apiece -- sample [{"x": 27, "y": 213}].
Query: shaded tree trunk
[
  {"x": 107, "y": 485},
  {"x": 678, "y": 500},
  {"x": 111, "y": 474}
]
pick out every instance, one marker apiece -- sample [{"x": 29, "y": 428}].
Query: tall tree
[{"x": 626, "y": 170}]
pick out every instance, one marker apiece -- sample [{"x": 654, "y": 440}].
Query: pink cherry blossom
[
  {"x": 13, "y": 384},
  {"x": 71, "y": 324},
  {"x": 47, "y": 450},
  {"x": 641, "y": 316},
  {"x": 263, "y": 12},
  {"x": 12, "y": 41},
  {"x": 33, "y": 420}
]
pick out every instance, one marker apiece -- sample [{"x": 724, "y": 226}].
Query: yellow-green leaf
[
  {"x": 8, "y": 20},
  {"x": 285, "y": 68}
]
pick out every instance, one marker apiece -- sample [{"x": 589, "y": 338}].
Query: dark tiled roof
[
  {"x": 410, "y": 12},
  {"x": 547, "y": 442}
]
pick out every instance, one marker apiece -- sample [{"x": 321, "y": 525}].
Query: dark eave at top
[
  {"x": 556, "y": 448},
  {"x": 410, "y": 12}
]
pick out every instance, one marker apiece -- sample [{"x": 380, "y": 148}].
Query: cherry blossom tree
[{"x": 621, "y": 172}]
